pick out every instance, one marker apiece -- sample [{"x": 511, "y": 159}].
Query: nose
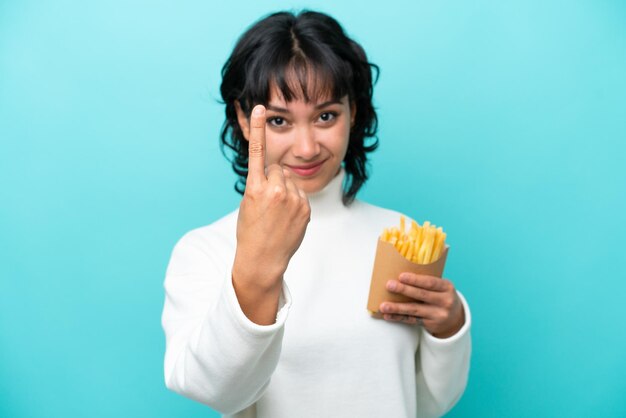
[{"x": 305, "y": 146}]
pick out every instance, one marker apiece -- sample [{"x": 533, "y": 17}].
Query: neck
[{"x": 328, "y": 200}]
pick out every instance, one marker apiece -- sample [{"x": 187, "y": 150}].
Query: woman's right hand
[{"x": 273, "y": 217}]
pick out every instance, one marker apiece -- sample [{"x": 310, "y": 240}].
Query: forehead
[
  {"x": 276, "y": 96},
  {"x": 296, "y": 99},
  {"x": 277, "y": 102},
  {"x": 302, "y": 83}
]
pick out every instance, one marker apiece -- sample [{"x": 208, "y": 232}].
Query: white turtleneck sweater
[{"x": 325, "y": 356}]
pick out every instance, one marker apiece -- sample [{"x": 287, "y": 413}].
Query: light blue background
[{"x": 503, "y": 121}]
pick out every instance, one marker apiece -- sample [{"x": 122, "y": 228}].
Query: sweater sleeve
[
  {"x": 214, "y": 354},
  {"x": 442, "y": 368}
]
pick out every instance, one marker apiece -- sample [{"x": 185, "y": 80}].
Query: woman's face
[{"x": 308, "y": 139}]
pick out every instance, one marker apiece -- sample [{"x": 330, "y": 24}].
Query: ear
[
  {"x": 352, "y": 113},
  {"x": 244, "y": 122}
]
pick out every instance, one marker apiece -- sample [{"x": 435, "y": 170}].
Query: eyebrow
[{"x": 319, "y": 106}]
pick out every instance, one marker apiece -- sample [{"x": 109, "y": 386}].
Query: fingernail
[
  {"x": 258, "y": 111},
  {"x": 384, "y": 308},
  {"x": 391, "y": 285}
]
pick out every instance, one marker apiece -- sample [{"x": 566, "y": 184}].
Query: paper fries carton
[{"x": 388, "y": 265}]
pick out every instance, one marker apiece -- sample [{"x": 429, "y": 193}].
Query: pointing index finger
[{"x": 256, "y": 144}]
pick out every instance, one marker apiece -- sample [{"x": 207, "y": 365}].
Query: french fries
[{"x": 421, "y": 244}]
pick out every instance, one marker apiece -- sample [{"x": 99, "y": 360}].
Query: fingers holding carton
[
  {"x": 435, "y": 304},
  {"x": 418, "y": 295},
  {"x": 420, "y": 287}
]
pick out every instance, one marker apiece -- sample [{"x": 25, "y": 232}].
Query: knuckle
[
  {"x": 256, "y": 148},
  {"x": 432, "y": 283},
  {"x": 278, "y": 192},
  {"x": 444, "y": 315},
  {"x": 253, "y": 190},
  {"x": 295, "y": 197}
]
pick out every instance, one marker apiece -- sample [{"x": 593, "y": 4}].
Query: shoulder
[
  {"x": 374, "y": 212},
  {"x": 363, "y": 215},
  {"x": 223, "y": 229},
  {"x": 214, "y": 243}
]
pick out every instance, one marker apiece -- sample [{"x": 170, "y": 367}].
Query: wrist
[
  {"x": 261, "y": 276},
  {"x": 258, "y": 299},
  {"x": 452, "y": 329}
]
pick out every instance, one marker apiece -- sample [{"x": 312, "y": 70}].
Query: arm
[
  {"x": 233, "y": 340},
  {"x": 211, "y": 345},
  {"x": 442, "y": 368},
  {"x": 442, "y": 361}
]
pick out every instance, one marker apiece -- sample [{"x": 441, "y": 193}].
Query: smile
[{"x": 307, "y": 170}]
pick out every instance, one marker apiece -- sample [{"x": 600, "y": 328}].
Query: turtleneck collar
[{"x": 329, "y": 199}]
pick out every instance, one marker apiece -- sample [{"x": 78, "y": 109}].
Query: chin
[
  {"x": 316, "y": 184},
  {"x": 309, "y": 189},
  {"x": 311, "y": 186}
]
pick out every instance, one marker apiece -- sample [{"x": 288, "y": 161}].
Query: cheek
[
  {"x": 273, "y": 148},
  {"x": 343, "y": 138},
  {"x": 336, "y": 139}
]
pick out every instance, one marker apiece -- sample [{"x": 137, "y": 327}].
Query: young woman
[{"x": 265, "y": 312}]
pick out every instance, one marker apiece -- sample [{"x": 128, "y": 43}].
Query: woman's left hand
[{"x": 437, "y": 306}]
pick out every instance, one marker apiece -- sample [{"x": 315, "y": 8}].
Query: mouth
[{"x": 306, "y": 170}]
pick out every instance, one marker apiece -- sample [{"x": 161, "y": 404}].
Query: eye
[
  {"x": 328, "y": 116},
  {"x": 276, "y": 121}
]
